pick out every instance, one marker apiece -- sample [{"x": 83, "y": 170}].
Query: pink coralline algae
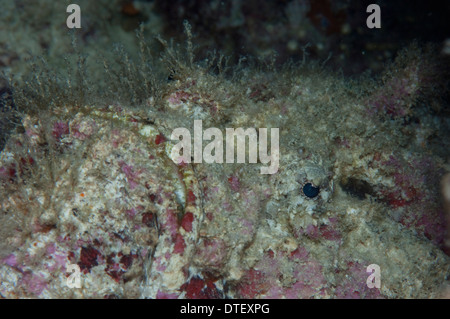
[
  {"x": 59, "y": 130},
  {"x": 83, "y": 129},
  {"x": 404, "y": 84},
  {"x": 212, "y": 253},
  {"x": 35, "y": 283},
  {"x": 234, "y": 183},
  {"x": 329, "y": 231},
  {"x": 197, "y": 288},
  {"x": 304, "y": 278},
  {"x": 11, "y": 260},
  {"x": 88, "y": 258},
  {"x": 354, "y": 286},
  {"x": 393, "y": 100},
  {"x": 187, "y": 220},
  {"x": 414, "y": 197},
  {"x": 131, "y": 173}
]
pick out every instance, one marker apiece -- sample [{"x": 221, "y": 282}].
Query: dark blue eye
[{"x": 310, "y": 191}]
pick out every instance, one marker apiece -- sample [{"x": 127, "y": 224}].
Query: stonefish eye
[{"x": 310, "y": 191}]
